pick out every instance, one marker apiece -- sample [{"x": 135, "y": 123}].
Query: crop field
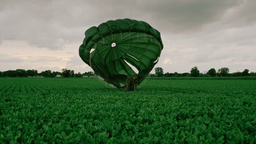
[{"x": 83, "y": 110}]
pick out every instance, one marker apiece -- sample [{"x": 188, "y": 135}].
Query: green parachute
[{"x": 116, "y": 48}]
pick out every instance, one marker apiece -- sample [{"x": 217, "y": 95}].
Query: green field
[{"x": 83, "y": 110}]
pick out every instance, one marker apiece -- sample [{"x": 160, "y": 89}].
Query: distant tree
[
  {"x": 67, "y": 73},
  {"x": 201, "y": 75},
  {"x": 11, "y": 73},
  {"x": 212, "y": 72},
  {"x": 59, "y": 73},
  {"x": 78, "y": 75},
  {"x": 194, "y": 72},
  {"x": 85, "y": 74},
  {"x": 229, "y": 75},
  {"x": 5, "y": 73},
  {"x": 1, "y": 74},
  {"x": 167, "y": 74},
  {"x": 72, "y": 73},
  {"x": 179, "y": 75},
  {"x": 29, "y": 72},
  {"x": 46, "y": 73},
  {"x": 171, "y": 74},
  {"x": 185, "y": 74},
  {"x": 252, "y": 73},
  {"x": 237, "y": 74},
  {"x": 90, "y": 73},
  {"x": 35, "y": 72},
  {"x": 175, "y": 74},
  {"x": 159, "y": 71},
  {"x": 32, "y": 72},
  {"x": 21, "y": 72},
  {"x": 223, "y": 71},
  {"x": 54, "y": 73},
  {"x": 246, "y": 72}
]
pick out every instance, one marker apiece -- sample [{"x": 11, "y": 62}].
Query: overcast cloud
[{"x": 46, "y": 34}]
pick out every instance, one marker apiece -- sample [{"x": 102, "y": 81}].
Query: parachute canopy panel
[{"x": 111, "y": 48}]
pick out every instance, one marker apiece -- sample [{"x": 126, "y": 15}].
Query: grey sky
[{"x": 46, "y": 34}]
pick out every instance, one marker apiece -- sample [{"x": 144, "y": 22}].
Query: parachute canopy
[{"x": 120, "y": 49}]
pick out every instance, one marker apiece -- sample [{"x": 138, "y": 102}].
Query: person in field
[{"x": 130, "y": 84}]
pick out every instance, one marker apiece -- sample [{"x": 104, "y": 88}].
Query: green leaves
[{"x": 67, "y": 111}]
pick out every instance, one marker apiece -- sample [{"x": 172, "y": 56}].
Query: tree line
[
  {"x": 47, "y": 73},
  {"x": 194, "y": 72}
]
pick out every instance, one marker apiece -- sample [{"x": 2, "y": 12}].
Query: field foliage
[{"x": 73, "y": 110}]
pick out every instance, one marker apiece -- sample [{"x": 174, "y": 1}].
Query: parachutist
[{"x": 131, "y": 84}]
